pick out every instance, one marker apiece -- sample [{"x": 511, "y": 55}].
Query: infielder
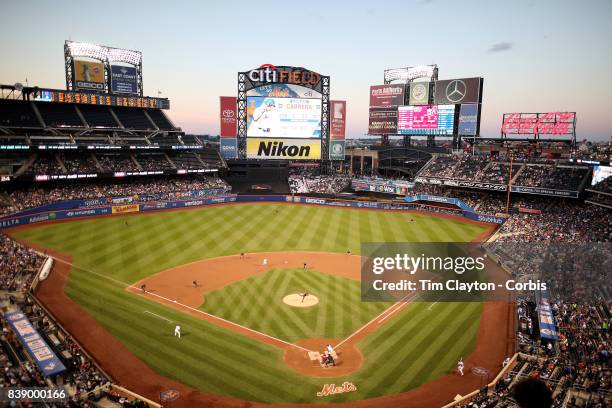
[
  {"x": 265, "y": 262},
  {"x": 460, "y": 366},
  {"x": 177, "y": 331}
]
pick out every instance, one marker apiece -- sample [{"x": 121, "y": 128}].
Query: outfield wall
[{"x": 44, "y": 214}]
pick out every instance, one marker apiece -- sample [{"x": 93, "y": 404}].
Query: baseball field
[{"x": 238, "y": 338}]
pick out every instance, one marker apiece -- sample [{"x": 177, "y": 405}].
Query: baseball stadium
[{"x": 283, "y": 258}]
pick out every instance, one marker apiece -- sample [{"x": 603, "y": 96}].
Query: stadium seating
[
  {"x": 45, "y": 164},
  {"x": 133, "y": 118},
  {"x": 160, "y": 119},
  {"x": 161, "y": 139},
  {"x": 57, "y": 115},
  {"x": 153, "y": 161},
  {"x": 114, "y": 162},
  {"x": 187, "y": 161},
  {"x": 191, "y": 140},
  {"x": 18, "y": 114},
  {"x": 98, "y": 116}
]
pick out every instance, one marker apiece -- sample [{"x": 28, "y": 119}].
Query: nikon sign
[{"x": 283, "y": 149}]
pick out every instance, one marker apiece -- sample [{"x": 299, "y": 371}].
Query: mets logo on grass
[
  {"x": 283, "y": 149},
  {"x": 332, "y": 389}
]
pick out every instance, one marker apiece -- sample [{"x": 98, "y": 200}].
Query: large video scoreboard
[
  {"x": 284, "y": 113},
  {"x": 426, "y": 108}
]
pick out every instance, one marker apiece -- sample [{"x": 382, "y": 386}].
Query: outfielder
[{"x": 177, "y": 331}]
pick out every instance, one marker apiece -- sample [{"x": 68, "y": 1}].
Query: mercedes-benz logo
[{"x": 455, "y": 90}]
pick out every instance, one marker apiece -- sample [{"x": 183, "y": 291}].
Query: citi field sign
[{"x": 271, "y": 74}]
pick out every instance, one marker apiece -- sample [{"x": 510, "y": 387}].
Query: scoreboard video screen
[
  {"x": 283, "y": 117},
  {"x": 426, "y": 120}
]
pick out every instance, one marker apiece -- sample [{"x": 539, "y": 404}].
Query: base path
[{"x": 215, "y": 273}]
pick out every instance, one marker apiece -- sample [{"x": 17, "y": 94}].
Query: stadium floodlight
[
  {"x": 81, "y": 49},
  {"x": 121, "y": 55},
  {"x": 102, "y": 53},
  {"x": 411, "y": 73}
]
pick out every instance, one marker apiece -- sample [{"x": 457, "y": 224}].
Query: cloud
[{"x": 501, "y": 47}]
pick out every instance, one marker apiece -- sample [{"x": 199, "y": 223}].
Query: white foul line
[
  {"x": 392, "y": 312},
  {"x": 180, "y": 304},
  {"x": 161, "y": 317},
  {"x": 174, "y": 302},
  {"x": 388, "y": 310}
]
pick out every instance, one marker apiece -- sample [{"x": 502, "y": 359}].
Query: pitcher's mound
[{"x": 297, "y": 300}]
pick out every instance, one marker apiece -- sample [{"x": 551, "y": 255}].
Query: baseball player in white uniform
[
  {"x": 330, "y": 349},
  {"x": 177, "y": 331},
  {"x": 460, "y": 366},
  {"x": 265, "y": 262}
]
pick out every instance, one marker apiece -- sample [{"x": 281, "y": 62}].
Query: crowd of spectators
[
  {"x": 576, "y": 369},
  {"x": 162, "y": 187},
  {"x": 18, "y": 265},
  {"x": 554, "y": 177},
  {"x": 563, "y": 221},
  {"x": 79, "y": 164},
  {"x": 529, "y": 173},
  {"x": 153, "y": 162},
  {"x": 73, "y": 163},
  {"x": 45, "y": 165},
  {"x": 117, "y": 162},
  {"x": 83, "y": 381},
  {"x": 306, "y": 180}
]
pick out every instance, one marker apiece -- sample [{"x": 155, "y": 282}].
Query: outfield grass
[{"x": 416, "y": 345}]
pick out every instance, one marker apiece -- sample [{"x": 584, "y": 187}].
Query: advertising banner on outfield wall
[
  {"x": 283, "y": 149},
  {"x": 129, "y": 208},
  {"x": 382, "y": 121},
  {"x": 337, "y": 120},
  {"x": 456, "y": 91},
  {"x": 387, "y": 95},
  {"x": 88, "y": 75},
  {"x": 382, "y": 186},
  {"x": 228, "y": 112},
  {"x": 336, "y": 149},
  {"x": 229, "y": 147},
  {"x": 124, "y": 79}
]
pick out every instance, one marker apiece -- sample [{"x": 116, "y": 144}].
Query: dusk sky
[{"x": 535, "y": 56}]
